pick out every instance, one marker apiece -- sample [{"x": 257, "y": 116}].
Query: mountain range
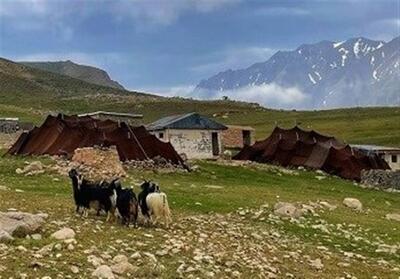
[
  {"x": 86, "y": 73},
  {"x": 355, "y": 72}
]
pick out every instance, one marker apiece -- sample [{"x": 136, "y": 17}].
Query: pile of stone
[
  {"x": 32, "y": 168},
  {"x": 381, "y": 179},
  {"x": 97, "y": 162},
  {"x": 156, "y": 164}
]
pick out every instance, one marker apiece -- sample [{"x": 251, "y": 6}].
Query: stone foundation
[{"x": 381, "y": 179}]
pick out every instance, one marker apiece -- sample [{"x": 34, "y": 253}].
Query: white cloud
[
  {"x": 185, "y": 90},
  {"x": 165, "y": 12},
  {"x": 268, "y": 95},
  {"x": 55, "y": 15},
  {"x": 233, "y": 58},
  {"x": 384, "y": 29},
  {"x": 281, "y": 11}
]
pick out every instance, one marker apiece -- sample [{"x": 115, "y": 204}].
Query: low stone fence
[{"x": 381, "y": 179}]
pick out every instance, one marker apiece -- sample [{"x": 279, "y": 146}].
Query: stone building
[
  {"x": 194, "y": 135},
  {"x": 129, "y": 118},
  {"x": 390, "y": 154},
  {"x": 236, "y": 137}
]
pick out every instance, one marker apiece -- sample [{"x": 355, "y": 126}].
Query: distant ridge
[{"x": 86, "y": 73}]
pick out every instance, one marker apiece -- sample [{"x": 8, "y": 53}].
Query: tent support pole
[{"x": 138, "y": 143}]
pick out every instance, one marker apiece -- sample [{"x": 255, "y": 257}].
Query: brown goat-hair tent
[
  {"x": 297, "y": 147},
  {"x": 63, "y": 134}
]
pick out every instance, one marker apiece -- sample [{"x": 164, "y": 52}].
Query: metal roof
[
  {"x": 112, "y": 114},
  {"x": 370, "y": 147},
  {"x": 9, "y": 119},
  {"x": 186, "y": 121}
]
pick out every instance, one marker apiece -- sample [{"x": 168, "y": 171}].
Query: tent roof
[
  {"x": 63, "y": 134},
  {"x": 186, "y": 121},
  {"x": 297, "y": 147}
]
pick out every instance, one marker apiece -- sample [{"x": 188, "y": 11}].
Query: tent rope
[{"x": 138, "y": 143}]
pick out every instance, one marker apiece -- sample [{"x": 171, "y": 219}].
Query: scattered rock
[
  {"x": 36, "y": 236},
  {"x": 64, "y": 233},
  {"x": 328, "y": 205},
  {"x": 353, "y": 203},
  {"x": 285, "y": 209},
  {"x": 317, "y": 264},
  {"x": 103, "y": 272},
  {"x": 120, "y": 258},
  {"x": 33, "y": 168},
  {"x": 74, "y": 269},
  {"x": 123, "y": 267},
  {"x": 95, "y": 261},
  {"x": 393, "y": 216}
]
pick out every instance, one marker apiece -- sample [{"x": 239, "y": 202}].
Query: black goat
[
  {"x": 86, "y": 192},
  {"x": 73, "y": 174},
  {"x": 147, "y": 188},
  {"x": 127, "y": 205}
]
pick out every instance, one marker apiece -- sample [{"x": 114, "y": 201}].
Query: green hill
[
  {"x": 31, "y": 94},
  {"x": 86, "y": 73}
]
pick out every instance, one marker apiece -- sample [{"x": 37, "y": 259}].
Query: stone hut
[{"x": 191, "y": 134}]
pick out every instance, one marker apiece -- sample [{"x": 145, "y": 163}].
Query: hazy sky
[{"x": 170, "y": 45}]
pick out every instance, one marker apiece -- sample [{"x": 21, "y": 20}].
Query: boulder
[
  {"x": 5, "y": 237},
  {"x": 104, "y": 272},
  {"x": 353, "y": 203},
  {"x": 64, "y": 233},
  {"x": 286, "y": 209},
  {"x": 123, "y": 268},
  {"x": 393, "y": 216},
  {"x": 20, "y": 224}
]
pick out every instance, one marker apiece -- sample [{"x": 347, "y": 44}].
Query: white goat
[{"x": 157, "y": 204}]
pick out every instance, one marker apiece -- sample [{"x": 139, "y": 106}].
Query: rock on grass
[
  {"x": 353, "y": 203},
  {"x": 64, "y": 233}
]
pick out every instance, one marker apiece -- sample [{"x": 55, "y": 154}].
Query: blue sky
[{"x": 168, "y": 46}]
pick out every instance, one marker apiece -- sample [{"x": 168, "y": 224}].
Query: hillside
[
  {"x": 355, "y": 72},
  {"x": 31, "y": 94},
  {"x": 26, "y": 86},
  {"x": 86, "y": 73}
]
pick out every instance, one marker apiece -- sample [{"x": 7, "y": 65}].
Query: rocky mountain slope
[
  {"x": 82, "y": 72},
  {"x": 356, "y": 72}
]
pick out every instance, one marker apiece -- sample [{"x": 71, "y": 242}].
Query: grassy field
[
  {"x": 222, "y": 211},
  {"x": 356, "y": 125}
]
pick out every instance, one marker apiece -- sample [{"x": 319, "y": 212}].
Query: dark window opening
[
  {"x": 246, "y": 137},
  {"x": 215, "y": 144},
  {"x": 394, "y": 158},
  {"x": 161, "y": 135}
]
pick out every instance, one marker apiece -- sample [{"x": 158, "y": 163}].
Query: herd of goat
[{"x": 117, "y": 201}]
